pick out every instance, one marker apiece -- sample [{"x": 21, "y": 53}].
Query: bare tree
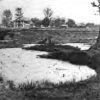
[
  {"x": 7, "y": 18},
  {"x": 48, "y": 12}
]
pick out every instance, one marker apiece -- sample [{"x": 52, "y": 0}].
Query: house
[{"x": 23, "y": 23}]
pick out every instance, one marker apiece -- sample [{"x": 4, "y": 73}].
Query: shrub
[
  {"x": 95, "y": 61},
  {"x": 74, "y": 57},
  {"x": 52, "y": 48},
  {"x": 80, "y": 58}
]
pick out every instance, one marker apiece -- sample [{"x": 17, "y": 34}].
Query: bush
[
  {"x": 80, "y": 58},
  {"x": 4, "y": 33},
  {"x": 95, "y": 61},
  {"x": 74, "y": 57},
  {"x": 64, "y": 53},
  {"x": 52, "y": 48}
]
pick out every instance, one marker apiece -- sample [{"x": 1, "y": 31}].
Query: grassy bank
[
  {"x": 60, "y": 36},
  {"x": 72, "y": 35},
  {"x": 87, "y": 90}
]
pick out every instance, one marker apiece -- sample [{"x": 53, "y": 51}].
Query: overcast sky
[{"x": 79, "y": 10}]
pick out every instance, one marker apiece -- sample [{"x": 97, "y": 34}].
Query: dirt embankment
[{"x": 58, "y": 35}]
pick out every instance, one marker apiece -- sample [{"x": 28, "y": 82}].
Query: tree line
[{"x": 47, "y": 21}]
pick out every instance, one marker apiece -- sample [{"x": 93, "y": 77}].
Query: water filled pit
[{"x": 23, "y": 66}]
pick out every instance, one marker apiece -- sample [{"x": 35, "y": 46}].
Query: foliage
[
  {"x": 37, "y": 22},
  {"x": 71, "y": 23},
  {"x": 57, "y": 22},
  {"x": 7, "y": 18},
  {"x": 47, "y": 19},
  {"x": 68, "y": 53},
  {"x": 19, "y": 16},
  {"x": 46, "y": 22},
  {"x": 64, "y": 53},
  {"x": 90, "y": 24}
]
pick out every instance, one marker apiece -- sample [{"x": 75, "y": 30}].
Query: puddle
[{"x": 22, "y": 66}]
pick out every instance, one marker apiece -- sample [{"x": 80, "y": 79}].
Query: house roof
[{"x": 24, "y": 19}]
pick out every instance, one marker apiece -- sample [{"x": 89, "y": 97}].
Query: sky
[{"x": 79, "y": 10}]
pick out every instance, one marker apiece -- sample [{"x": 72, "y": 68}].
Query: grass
[
  {"x": 74, "y": 91},
  {"x": 46, "y": 84},
  {"x": 59, "y": 35},
  {"x": 85, "y": 90},
  {"x": 10, "y": 44},
  {"x": 88, "y": 90}
]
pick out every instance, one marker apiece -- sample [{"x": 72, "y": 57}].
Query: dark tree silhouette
[
  {"x": 48, "y": 14},
  {"x": 19, "y": 16},
  {"x": 7, "y": 18},
  {"x": 98, "y": 6},
  {"x": 71, "y": 23},
  {"x": 37, "y": 22},
  {"x": 57, "y": 22},
  {"x": 46, "y": 22}
]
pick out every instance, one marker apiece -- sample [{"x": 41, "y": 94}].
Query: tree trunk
[
  {"x": 95, "y": 49},
  {"x": 98, "y": 39}
]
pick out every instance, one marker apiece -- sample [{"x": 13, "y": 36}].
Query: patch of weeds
[
  {"x": 46, "y": 90},
  {"x": 36, "y": 85},
  {"x": 27, "y": 86},
  {"x": 74, "y": 57},
  {"x": 45, "y": 84},
  {"x": 50, "y": 47},
  {"x": 64, "y": 53}
]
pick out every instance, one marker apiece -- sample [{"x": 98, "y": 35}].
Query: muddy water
[{"x": 22, "y": 66}]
